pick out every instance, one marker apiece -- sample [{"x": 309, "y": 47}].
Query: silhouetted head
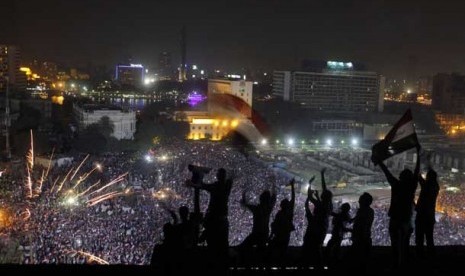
[
  {"x": 184, "y": 212},
  {"x": 265, "y": 197},
  {"x": 221, "y": 174},
  {"x": 406, "y": 175},
  {"x": 345, "y": 208},
  {"x": 285, "y": 204},
  {"x": 365, "y": 200},
  {"x": 431, "y": 175}
]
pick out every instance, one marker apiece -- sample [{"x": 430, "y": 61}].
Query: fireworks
[{"x": 90, "y": 257}]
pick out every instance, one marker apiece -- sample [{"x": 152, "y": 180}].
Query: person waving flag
[{"x": 400, "y": 138}]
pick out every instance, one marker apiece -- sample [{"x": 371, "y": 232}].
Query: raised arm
[
  {"x": 390, "y": 178},
  {"x": 323, "y": 181},
  {"x": 416, "y": 172},
  {"x": 292, "y": 192}
]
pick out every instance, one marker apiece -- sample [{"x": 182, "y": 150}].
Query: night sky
[{"x": 388, "y": 36}]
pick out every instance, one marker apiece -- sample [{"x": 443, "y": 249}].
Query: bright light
[
  {"x": 317, "y": 142},
  {"x": 193, "y": 76},
  {"x": 343, "y": 142},
  {"x": 148, "y": 158},
  {"x": 354, "y": 142},
  {"x": 277, "y": 141},
  {"x": 99, "y": 167},
  {"x": 255, "y": 82},
  {"x": 329, "y": 142},
  {"x": 71, "y": 200},
  {"x": 409, "y": 91},
  {"x": 85, "y": 88},
  {"x": 73, "y": 85},
  {"x": 234, "y": 123},
  {"x": 290, "y": 142},
  {"x": 264, "y": 142},
  {"x": 146, "y": 70},
  {"x": 202, "y": 72},
  {"x": 302, "y": 142},
  {"x": 349, "y": 64},
  {"x": 264, "y": 74},
  {"x": 225, "y": 123},
  {"x": 146, "y": 81},
  {"x": 194, "y": 67},
  {"x": 164, "y": 157}
]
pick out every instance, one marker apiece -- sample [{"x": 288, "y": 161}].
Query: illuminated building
[
  {"x": 10, "y": 60},
  {"x": 229, "y": 108},
  {"x": 213, "y": 129},
  {"x": 239, "y": 88},
  {"x": 132, "y": 74},
  {"x": 124, "y": 121},
  {"x": 338, "y": 87}
]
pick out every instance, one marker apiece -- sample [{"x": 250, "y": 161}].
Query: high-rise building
[
  {"x": 10, "y": 60},
  {"x": 165, "y": 68},
  {"x": 183, "y": 67},
  {"x": 336, "y": 87},
  {"x": 449, "y": 93},
  {"x": 132, "y": 74}
]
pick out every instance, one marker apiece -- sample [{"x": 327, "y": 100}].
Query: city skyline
[{"x": 391, "y": 38}]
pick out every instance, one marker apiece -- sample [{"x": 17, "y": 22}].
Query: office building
[
  {"x": 131, "y": 75},
  {"x": 336, "y": 87},
  {"x": 10, "y": 60}
]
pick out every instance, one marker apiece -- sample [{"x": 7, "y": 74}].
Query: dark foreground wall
[{"x": 449, "y": 260}]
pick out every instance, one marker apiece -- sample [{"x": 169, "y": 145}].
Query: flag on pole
[{"x": 400, "y": 138}]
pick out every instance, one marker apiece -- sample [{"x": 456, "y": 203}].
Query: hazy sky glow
[{"x": 234, "y": 34}]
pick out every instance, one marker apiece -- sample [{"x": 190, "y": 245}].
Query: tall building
[
  {"x": 132, "y": 74},
  {"x": 240, "y": 88},
  {"x": 183, "y": 67},
  {"x": 10, "y": 60},
  {"x": 449, "y": 93},
  {"x": 165, "y": 68},
  {"x": 335, "y": 87}
]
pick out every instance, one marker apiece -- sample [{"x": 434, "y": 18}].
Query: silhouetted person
[
  {"x": 216, "y": 218},
  {"x": 318, "y": 222},
  {"x": 261, "y": 219},
  {"x": 400, "y": 209},
  {"x": 361, "y": 233},
  {"x": 426, "y": 210},
  {"x": 340, "y": 221},
  {"x": 283, "y": 225}
]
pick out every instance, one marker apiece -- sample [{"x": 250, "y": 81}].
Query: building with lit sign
[
  {"x": 229, "y": 108},
  {"x": 337, "y": 87},
  {"x": 132, "y": 74},
  {"x": 124, "y": 121}
]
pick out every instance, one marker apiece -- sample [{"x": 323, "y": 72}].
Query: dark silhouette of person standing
[
  {"x": 426, "y": 210},
  {"x": 400, "y": 209},
  {"x": 283, "y": 225},
  {"x": 216, "y": 222},
  {"x": 361, "y": 233},
  {"x": 261, "y": 219},
  {"x": 340, "y": 222}
]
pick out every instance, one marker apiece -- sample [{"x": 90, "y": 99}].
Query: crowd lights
[
  {"x": 329, "y": 142},
  {"x": 264, "y": 142},
  {"x": 354, "y": 142},
  {"x": 290, "y": 142}
]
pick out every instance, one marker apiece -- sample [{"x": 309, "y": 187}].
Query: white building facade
[{"x": 124, "y": 122}]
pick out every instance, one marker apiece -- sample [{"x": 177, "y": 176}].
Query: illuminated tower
[{"x": 183, "y": 68}]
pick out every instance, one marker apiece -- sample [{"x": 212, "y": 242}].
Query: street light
[{"x": 264, "y": 142}]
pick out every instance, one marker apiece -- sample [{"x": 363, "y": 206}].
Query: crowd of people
[{"x": 124, "y": 229}]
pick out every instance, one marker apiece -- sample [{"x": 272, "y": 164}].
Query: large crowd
[{"x": 124, "y": 229}]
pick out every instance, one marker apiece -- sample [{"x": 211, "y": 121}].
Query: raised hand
[{"x": 310, "y": 181}]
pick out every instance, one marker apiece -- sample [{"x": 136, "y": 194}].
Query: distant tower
[{"x": 183, "y": 68}]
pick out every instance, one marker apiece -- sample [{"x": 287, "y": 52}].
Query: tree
[{"x": 106, "y": 126}]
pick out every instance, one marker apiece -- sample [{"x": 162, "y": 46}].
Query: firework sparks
[
  {"x": 79, "y": 167},
  {"x": 90, "y": 256},
  {"x": 114, "y": 181},
  {"x": 88, "y": 189},
  {"x": 64, "y": 180},
  {"x": 98, "y": 199}
]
